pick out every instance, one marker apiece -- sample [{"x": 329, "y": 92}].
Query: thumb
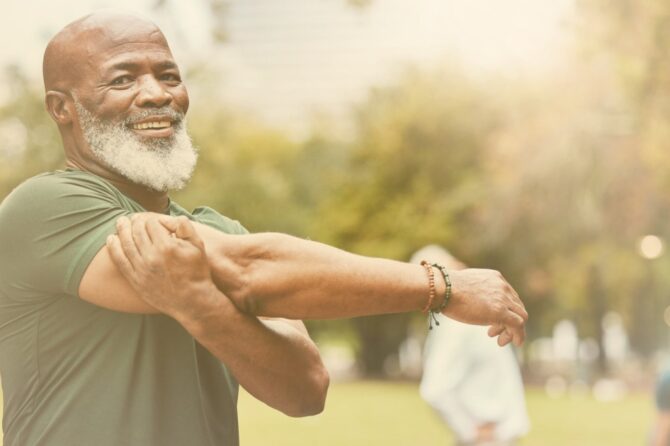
[{"x": 182, "y": 228}]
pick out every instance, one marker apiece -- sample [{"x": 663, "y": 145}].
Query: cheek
[
  {"x": 180, "y": 96},
  {"x": 113, "y": 104}
]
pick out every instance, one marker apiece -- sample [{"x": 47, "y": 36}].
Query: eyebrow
[{"x": 131, "y": 66}]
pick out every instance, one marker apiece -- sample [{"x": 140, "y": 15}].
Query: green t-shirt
[{"x": 77, "y": 374}]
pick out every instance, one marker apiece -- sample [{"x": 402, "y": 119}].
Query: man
[
  {"x": 661, "y": 431},
  {"x": 141, "y": 338},
  {"x": 474, "y": 386}
]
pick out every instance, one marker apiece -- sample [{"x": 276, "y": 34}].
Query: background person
[
  {"x": 661, "y": 432},
  {"x": 474, "y": 385}
]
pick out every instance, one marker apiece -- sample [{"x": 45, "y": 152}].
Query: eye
[
  {"x": 171, "y": 77},
  {"x": 121, "y": 80}
]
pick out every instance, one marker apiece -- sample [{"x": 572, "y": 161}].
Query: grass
[
  {"x": 370, "y": 413},
  {"x": 392, "y": 414}
]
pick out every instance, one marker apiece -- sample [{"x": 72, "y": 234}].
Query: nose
[{"x": 152, "y": 93}]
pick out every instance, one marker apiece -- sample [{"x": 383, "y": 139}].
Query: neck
[{"x": 151, "y": 200}]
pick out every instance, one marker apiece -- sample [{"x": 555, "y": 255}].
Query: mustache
[{"x": 172, "y": 114}]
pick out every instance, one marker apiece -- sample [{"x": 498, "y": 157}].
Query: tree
[
  {"x": 30, "y": 139},
  {"x": 415, "y": 175}
]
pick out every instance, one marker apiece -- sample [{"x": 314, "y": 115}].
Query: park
[{"x": 530, "y": 139}]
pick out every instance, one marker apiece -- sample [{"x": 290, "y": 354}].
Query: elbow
[
  {"x": 235, "y": 282},
  {"x": 320, "y": 385},
  {"x": 312, "y": 400},
  {"x": 246, "y": 275},
  {"x": 245, "y": 301}
]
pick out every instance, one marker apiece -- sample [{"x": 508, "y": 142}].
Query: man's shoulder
[
  {"x": 43, "y": 188},
  {"x": 54, "y": 199}
]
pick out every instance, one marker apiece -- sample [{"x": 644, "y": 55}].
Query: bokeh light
[{"x": 651, "y": 247}]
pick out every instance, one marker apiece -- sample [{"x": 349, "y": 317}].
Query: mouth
[{"x": 154, "y": 127}]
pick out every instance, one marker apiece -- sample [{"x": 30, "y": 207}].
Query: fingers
[
  {"x": 514, "y": 320},
  {"x": 183, "y": 228},
  {"x": 158, "y": 233},
  {"x": 511, "y": 329},
  {"x": 514, "y": 326},
  {"x": 119, "y": 257},
  {"x": 186, "y": 231},
  {"x": 504, "y": 335},
  {"x": 127, "y": 242},
  {"x": 139, "y": 231},
  {"x": 504, "y": 338},
  {"x": 170, "y": 223},
  {"x": 514, "y": 301},
  {"x": 518, "y": 309},
  {"x": 495, "y": 330}
]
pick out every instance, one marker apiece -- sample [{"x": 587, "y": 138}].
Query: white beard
[{"x": 160, "y": 164}]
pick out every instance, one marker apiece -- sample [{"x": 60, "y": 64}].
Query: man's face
[{"x": 131, "y": 105}]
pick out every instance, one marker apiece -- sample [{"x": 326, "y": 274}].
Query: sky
[{"x": 286, "y": 59}]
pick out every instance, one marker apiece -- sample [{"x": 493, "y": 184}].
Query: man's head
[{"x": 115, "y": 91}]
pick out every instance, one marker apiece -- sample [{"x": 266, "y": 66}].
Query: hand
[
  {"x": 168, "y": 270},
  {"x": 483, "y": 297}
]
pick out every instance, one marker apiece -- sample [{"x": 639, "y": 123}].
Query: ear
[{"x": 60, "y": 107}]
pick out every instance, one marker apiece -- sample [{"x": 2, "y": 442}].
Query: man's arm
[{"x": 283, "y": 276}]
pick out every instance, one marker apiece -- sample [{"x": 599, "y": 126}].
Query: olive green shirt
[{"x": 74, "y": 373}]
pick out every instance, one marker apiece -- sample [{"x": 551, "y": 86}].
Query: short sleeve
[
  {"x": 210, "y": 217},
  {"x": 51, "y": 227}
]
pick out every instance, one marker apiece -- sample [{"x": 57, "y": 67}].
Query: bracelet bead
[
  {"x": 431, "y": 285},
  {"x": 447, "y": 290}
]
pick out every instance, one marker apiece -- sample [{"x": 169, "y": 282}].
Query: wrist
[
  {"x": 440, "y": 290},
  {"x": 457, "y": 286},
  {"x": 443, "y": 285},
  {"x": 435, "y": 293},
  {"x": 206, "y": 308}
]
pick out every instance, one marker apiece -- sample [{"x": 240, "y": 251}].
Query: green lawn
[{"x": 392, "y": 414}]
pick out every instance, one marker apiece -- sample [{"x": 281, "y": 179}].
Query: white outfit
[{"x": 469, "y": 380}]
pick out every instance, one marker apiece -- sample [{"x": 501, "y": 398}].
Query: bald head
[
  {"x": 112, "y": 77},
  {"x": 71, "y": 50}
]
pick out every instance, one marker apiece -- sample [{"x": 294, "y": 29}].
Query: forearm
[
  {"x": 283, "y": 276},
  {"x": 273, "y": 360}
]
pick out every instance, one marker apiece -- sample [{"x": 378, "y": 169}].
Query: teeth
[{"x": 151, "y": 125}]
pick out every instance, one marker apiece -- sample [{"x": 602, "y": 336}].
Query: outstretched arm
[{"x": 283, "y": 276}]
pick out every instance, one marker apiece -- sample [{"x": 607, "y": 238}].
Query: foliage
[
  {"x": 552, "y": 181},
  {"x": 30, "y": 139}
]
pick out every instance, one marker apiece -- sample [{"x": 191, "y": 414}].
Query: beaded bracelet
[
  {"x": 431, "y": 285},
  {"x": 447, "y": 291},
  {"x": 432, "y": 316}
]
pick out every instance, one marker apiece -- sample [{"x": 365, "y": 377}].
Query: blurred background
[{"x": 529, "y": 137}]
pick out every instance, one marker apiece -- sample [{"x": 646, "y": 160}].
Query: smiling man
[
  {"x": 118, "y": 331},
  {"x": 82, "y": 360}
]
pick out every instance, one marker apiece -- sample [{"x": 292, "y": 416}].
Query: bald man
[{"x": 137, "y": 331}]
